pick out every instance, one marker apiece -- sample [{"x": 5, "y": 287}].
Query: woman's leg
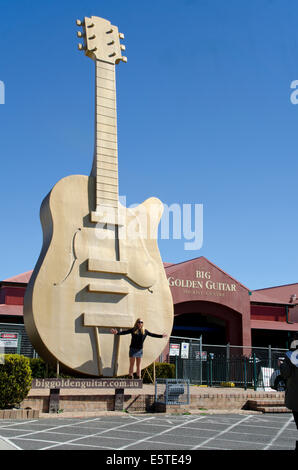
[
  {"x": 139, "y": 359},
  {"x": 131, "y": 366}
]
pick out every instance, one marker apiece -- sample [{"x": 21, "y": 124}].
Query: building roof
[
  {"x": 11, "y": 310},
  {"x": 266, "y": 299},
  {"x": 24, "y": 277},
  {"x": 287, "y": 294}
]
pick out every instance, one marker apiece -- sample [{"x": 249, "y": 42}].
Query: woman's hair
[{"x": 136, "y": 327}]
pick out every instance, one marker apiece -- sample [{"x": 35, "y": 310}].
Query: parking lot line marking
[
  {"x": 16, "y": 424},
  {"x": 174, "y": 444},
  {"x": 97, "y": 433},
  {"x": 221, "y": 432},
  {"x": 160, "y": 433},
  {"x": 279, "y": 433},
  {"x": 55, "y": 427},
  {"x": 9, "y": 444}
]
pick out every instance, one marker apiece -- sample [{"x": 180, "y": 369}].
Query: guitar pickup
[
  {"x": 108, "y": 216},
  {"x": 103, "y": 287},
  {"x": 108, "y": 320},
  {"x": 107, "y": 266}
]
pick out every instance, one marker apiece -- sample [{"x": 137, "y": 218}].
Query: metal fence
[
  {"x": 213, "y": 365},
  {"x": 14, "y": 340}
]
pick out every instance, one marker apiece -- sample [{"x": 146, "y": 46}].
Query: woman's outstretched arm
[
  {"x": 125, "y": 332},
  {"x": 154, "y": 335}
]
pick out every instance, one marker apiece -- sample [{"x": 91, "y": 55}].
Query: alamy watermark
[
  {"x": 151, "y": 220},
  {"x": 2, "y": 92},
  {"x": 294, "y": 94}
]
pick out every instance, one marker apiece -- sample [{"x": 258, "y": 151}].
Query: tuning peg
[
  {"x": 124, "y": 59},
  {"x": 81, "y": 47},
  {"x": 80, "y": 23},
  {"x": 121, "y": 35},
  {"x": 122, "y": 47},
  {"x": 80, "y": 34}
]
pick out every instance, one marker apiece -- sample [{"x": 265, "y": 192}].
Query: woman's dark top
[
  {"x": 289, "y": 371},
  {"x": 137, "y": 339}
]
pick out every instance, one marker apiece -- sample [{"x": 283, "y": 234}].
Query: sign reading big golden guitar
[{"x": 88, "y": 279}]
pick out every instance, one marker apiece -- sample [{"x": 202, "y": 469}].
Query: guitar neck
[{"x": 105, "y": 165}]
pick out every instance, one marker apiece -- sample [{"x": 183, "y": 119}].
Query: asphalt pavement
[{"x": 152, "y": 432}]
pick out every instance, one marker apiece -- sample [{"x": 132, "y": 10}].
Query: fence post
[
  {"x": 19, "y": 343},
  {"x": 228, "y": 362},
  {"x": 245, "y": 374},
  {"x": 255, "y": 371},
  {"x": 211, "y": 356},
  {"x": 269, "y": 356},
  {"x": 207, "y": 371},
  {"x": 201, "y": 365}
]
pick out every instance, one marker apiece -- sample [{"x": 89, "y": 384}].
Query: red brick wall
[
  {"x": 268, "y": 313},
  {"x": 12, "y": 295}
]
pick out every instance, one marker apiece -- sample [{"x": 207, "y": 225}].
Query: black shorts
[{"x": 135, "y": 352}]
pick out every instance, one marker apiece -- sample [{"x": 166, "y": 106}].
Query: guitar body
[{"x": 90, "y": 278}]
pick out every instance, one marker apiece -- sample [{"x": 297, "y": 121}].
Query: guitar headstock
[{"x": 101, "y": 40}]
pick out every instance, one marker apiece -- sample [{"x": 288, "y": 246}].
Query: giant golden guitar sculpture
[{"x": 99, "y": 266}]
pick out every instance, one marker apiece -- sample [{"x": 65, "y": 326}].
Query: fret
[
  {"x": 108, "y": 165},
  {"x": 106, "y": 152},
  {"x": 107, "y": 179},
  {"x": 109, "y": 112},
  {"x": 107, "y": 187},
  {"x": 109, "y": 121},
  {"x": 107, "y": 103},
  {"x": 106, "y": 84},
  {"x": 111, "y": 160},
  {"x": 105, "y": 194},
  {"x": 105, "y": 201},
  {"x": 107, "y": 136},
  {"x": 106, "y": 145},
  {"x": 106, "y": 127},
  {"x": 105, "y": 93},
  {"x": 106, "y": 69},
  {"x": 110, "y": 173},
  {"x": 103, "y": 180}
]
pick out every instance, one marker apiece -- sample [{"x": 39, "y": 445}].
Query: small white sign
[
  {"x": 201, "y": 355},
  {"x": 184, "y": 350},
  {"x": 264, "y": 379},
  {"x": 174, "y": 349},
  {"x": 9, "y": 340}
]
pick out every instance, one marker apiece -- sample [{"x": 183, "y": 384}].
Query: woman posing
[{"x": 138, "y": 336}]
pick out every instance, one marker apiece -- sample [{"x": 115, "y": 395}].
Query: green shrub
[
  {"x": 163, "y": 370},
  {"x": 15, "y": 380},
  {"x": 40, "y": 369}
]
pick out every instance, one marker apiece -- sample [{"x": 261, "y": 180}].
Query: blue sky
[{"x": 204, "y": 117}]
